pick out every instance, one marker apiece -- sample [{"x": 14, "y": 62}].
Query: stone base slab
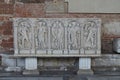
[
  {"x": 87, "y": 72},
  {"x": 30, "y": 72},
  {"x": 14, "y": 69}
]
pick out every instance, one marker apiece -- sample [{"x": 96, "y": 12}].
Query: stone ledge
[
  {"x": 30, "y": 72},
  {"x": 46, "y": 56},
  {"x": 85, "y": 72}
]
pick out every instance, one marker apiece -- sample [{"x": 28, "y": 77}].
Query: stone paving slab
[
  {"x": 31, "y": 78},
  {"x": 108, "y": 73},
  {"x": 104, "y": 78}
]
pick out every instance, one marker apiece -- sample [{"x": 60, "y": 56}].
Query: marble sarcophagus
[{"x": 57, "y": 37}]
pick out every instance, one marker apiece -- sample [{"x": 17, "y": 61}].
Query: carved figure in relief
[
  {"x": 24, "y": 35},
  {"x": 90, "y": 34},
  {"x": 73, "y": 35},
  {"x": 57, "y": 35},
  {"x": 41, "y": 35}
]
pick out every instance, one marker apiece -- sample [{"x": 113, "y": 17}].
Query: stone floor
[
  {"x": 77, "y": 77},
  {"x": 59, "y": 75}
]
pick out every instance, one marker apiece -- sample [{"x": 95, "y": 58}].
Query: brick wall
[
  {"x": 8, "y": 11},
  {"x": 6, "y": 8},
  {"x": 31, "y": 1},
  {"x": 6, "y": 31}
]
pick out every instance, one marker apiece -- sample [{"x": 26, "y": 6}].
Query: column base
[
  {"x": 30, "y": 72},
  {"x": 85, "y": 72}
]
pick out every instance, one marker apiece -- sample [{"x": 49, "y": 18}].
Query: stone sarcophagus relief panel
[{"x": 69, "y": 37}]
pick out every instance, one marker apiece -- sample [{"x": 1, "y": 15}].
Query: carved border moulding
[{"x": 57, "y": 37}]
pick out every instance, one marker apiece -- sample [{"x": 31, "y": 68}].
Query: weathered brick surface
[
  {"x": 7, "y": 43},
  {"x": 107, "y": 45},
  {"x": 6, "y": 28},
  {"x": 31, "y": 1},
  {"x": 6, "y": 8},
  {"x": 6, "y": 33},
  {"x": 1, "y": 1},
  {"x": 29, "y": 10},
  {"x": 5, "y": 18}
]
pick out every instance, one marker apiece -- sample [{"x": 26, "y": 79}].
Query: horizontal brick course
[{"x": 6, "y": 8}]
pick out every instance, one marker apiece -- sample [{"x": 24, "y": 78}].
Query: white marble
[
  {"x": 84, "y": 63},
  {"x": 57, "y": 36},
  {"x": 116, "y": 45},
  {"x": 30, "y": 63}
]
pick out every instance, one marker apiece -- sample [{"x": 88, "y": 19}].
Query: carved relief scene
[
  {"x": 57, "y": 36},
  {"x": 91, "y": 37},
  {"x": 24, "y": 35},
  {"x": 90, "y": 33},
  {"x": 74, "y": 35},
  {"x": 41, "y": 34}
]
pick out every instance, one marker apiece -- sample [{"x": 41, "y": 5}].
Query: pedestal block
[
  {"x": 85, "y": 66},
  {"x": 30, "y": 66}
]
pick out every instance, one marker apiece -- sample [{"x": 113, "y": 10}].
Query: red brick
[
  {"x": 29, "y": 10},
  {"x": 10, "y": 40},
  {"x": 6, "y": 8},
  {"x": 6, "y": 32},
  {"x": 7, "y": 48},
  {"x": 1, "y": 1},
  {"x": 1, "y": 31},
  {"x": 32, "y": 1},
  {"x": 5, "y": 18},
  {"x": 6, "y": 45},
  {"x": 6, "y": 28}
]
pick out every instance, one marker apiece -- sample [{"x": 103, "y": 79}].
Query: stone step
[
  {"x": 31, "y": 78},
  {"x": 94, "y": 77},
  {"x": 104, "y": 78},
  {"x": 108, "y": 73},
  {"x": 58, "y": 72},
  {"x": 77, "y": 77}
]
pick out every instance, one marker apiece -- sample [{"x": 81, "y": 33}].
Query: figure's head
[
  {"x": 41, "y": 23},
  {"x": 73, "y": 24}
]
